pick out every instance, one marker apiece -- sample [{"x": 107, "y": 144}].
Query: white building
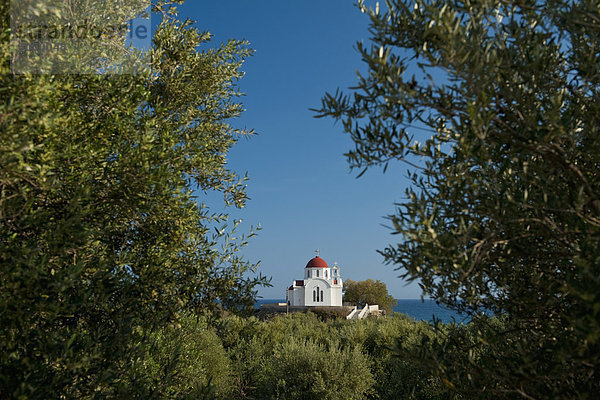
[{"x": 321, "y": 286}]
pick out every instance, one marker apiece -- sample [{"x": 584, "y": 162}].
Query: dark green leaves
[
  {"x": 102, "y": 239},
  {"x": 502, "y": 99}
]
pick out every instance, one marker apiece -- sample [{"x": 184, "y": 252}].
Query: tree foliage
[
  {"x": 302, "y": 369},
  {"x": 299, "y": 356},
  {"x": 369, "y": 292},
  {"x": 495, "y": 106},
  {"x": 186, "y": 360},
  {"x": 102, "y": 235}
]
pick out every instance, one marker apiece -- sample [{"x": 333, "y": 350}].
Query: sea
[{"x": 419, "y": 310}]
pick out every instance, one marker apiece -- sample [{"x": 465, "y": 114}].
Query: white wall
[
  {"x": 336, "y": 296},
  {"x": 296, "y": 296},
  {"x": 324, "y": 286},
  {"x": 312, "y": 273}
]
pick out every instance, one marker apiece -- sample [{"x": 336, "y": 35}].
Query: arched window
[
  {"x": 314, "y": 295},
  {"x": 317, "y": 273},
  {"x": 321, "y": 295},
  {"x": 325, "y": 273},
  {"x": 317, "y": 290}
]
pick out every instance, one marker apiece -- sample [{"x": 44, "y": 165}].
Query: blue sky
[{"x": 301, "y": 188}]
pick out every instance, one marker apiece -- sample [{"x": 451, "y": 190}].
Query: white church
[{"x": 321, "y": 286}]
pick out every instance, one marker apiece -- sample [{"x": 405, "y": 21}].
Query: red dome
[{"x": 317, "y": 262}]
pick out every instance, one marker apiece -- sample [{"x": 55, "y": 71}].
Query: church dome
[{"x": 317, "y": 262}]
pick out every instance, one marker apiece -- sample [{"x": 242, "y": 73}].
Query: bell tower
[{"x": 335, "y": 274}]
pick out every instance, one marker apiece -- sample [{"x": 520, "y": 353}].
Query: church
[{"x": 321, "y": 286}]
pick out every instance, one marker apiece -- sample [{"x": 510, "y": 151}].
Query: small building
[{"x": 321, "y": 287}]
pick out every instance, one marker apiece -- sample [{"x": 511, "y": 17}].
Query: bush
[
  {"x": 397, "y": 375},
  {"x": 191, "y": 358},
  {"x": 303, "y": 369},
  {"x": 300, "y": 356},
  {"x": 328, "y": 313}
]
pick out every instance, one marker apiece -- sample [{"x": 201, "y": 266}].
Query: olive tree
[
  {"x": 103, "y": 234},
  {"x": 494, "y": 107},
  {"x": 369, "y": 292}
]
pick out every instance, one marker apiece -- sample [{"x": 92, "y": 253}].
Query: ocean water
[
  {"x": 415, "y": 308},
  {"x": 425, "y": 311}
]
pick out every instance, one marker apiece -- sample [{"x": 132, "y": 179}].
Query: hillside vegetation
[{"x": 301, "y": 356}]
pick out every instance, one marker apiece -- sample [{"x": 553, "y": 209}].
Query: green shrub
[
  {"x": 303, "y": 369},
  {"x": 191, "y": 358},
  {"x": 300, "y": 356},
  {"x": 329, "y": 313},
  {"x": 233, "y": 329}
]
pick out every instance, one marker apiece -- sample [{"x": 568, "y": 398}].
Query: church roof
[{"x": 317, "y": 262}]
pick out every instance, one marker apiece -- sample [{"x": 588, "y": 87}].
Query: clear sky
[{"x": 301, "y": 189}]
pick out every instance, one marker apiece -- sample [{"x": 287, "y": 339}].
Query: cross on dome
[{"x": 317, "y": 251}]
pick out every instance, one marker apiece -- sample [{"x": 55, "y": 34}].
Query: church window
[
  {"x": 317, "y": 273},
  {"x": 325, "y": 274},
  {"x": 314, "y": 295},
  {"x": 321, "y": 295}
]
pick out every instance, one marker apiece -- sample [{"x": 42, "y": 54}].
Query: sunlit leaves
[
  {"x": 368, "y": 292},
  {"x": 495, "y": 106},
  {"x": 102, "y": 237}
]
